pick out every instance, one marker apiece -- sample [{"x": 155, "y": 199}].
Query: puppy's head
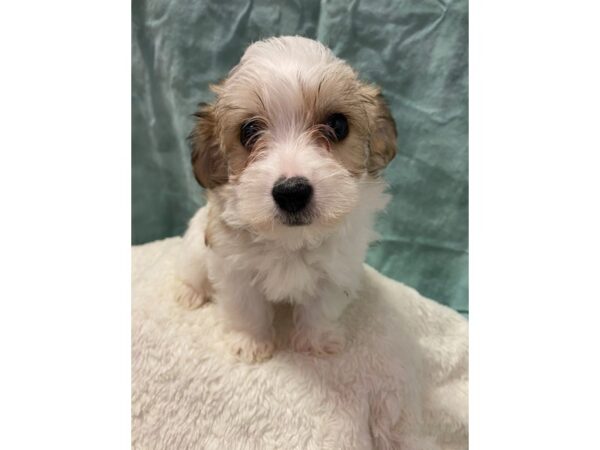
[{"x": 291, "y": 138}]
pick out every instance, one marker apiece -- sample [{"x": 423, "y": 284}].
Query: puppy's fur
[{"x": 242, "y": 250}]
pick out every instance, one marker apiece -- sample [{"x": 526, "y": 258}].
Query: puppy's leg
[
  {"x": 247, "y": 318},
  {"x": 192, "y": 287},
  {"x": 316, "y": 327}
]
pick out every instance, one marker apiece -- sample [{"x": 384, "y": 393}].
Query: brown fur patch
[
  {"x": 383, "y": 139},
  {"x": 208, "y": 162}
]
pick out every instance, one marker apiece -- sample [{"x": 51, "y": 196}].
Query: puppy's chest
[{"x": 285, "y": 275}]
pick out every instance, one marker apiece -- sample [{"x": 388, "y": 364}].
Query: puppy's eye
[
  {"x": 249, "y": 133},
  {"x": 339, "y": 124}
]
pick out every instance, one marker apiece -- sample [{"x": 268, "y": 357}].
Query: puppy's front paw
[
  {"x": 319, "y": 341},
  {"x": 188, "y": 297},
  {"x": 248, "y": 348}
]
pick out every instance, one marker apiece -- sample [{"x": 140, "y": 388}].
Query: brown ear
[
  {"x": 383, "y": 140},
  {"x": 210, "y": 167}
]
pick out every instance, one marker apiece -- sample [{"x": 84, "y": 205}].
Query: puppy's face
[{"x": 291, "y": 137}]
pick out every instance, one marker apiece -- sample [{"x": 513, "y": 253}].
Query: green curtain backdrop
[{"x": 416, "y": 50}]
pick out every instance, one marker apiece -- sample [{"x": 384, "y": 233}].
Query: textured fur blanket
[{"x": 401, "y": 382}]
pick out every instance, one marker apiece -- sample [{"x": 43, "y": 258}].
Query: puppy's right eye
[
  {"x": 339, "y": 126},
  {"x": 249, "y": 133}
]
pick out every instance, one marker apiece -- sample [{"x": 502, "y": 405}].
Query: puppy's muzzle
[{"x": 292, "y": 195}]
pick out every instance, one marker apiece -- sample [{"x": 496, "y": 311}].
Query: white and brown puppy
[{"x": 290, "y": 153}]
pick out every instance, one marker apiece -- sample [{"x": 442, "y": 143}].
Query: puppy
[{"x": 290, "y": 153}]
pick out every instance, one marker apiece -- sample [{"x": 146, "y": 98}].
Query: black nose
[{"x": 292, "y": 194}]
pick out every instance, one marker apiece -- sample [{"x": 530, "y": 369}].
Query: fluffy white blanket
[{"x": 400, "y": 383}]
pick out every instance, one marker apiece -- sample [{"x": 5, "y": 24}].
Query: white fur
[
  {"x": 317, "y": 266},
  {"x": 319, "y": 273}
]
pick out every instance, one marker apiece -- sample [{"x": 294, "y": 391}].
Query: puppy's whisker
[{"x": 331, "y": 175}]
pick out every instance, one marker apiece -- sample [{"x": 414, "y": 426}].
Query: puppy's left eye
[
  {"x": 339, "y": 124},
  {"x": 249, "y": 133}
]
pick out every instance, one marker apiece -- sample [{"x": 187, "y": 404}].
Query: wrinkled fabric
[{"x": 416, "y": 50}]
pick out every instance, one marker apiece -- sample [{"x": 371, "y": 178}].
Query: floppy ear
[
  {"x": 382, "y": 147},
  {"x": 208, "y": 162}
]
